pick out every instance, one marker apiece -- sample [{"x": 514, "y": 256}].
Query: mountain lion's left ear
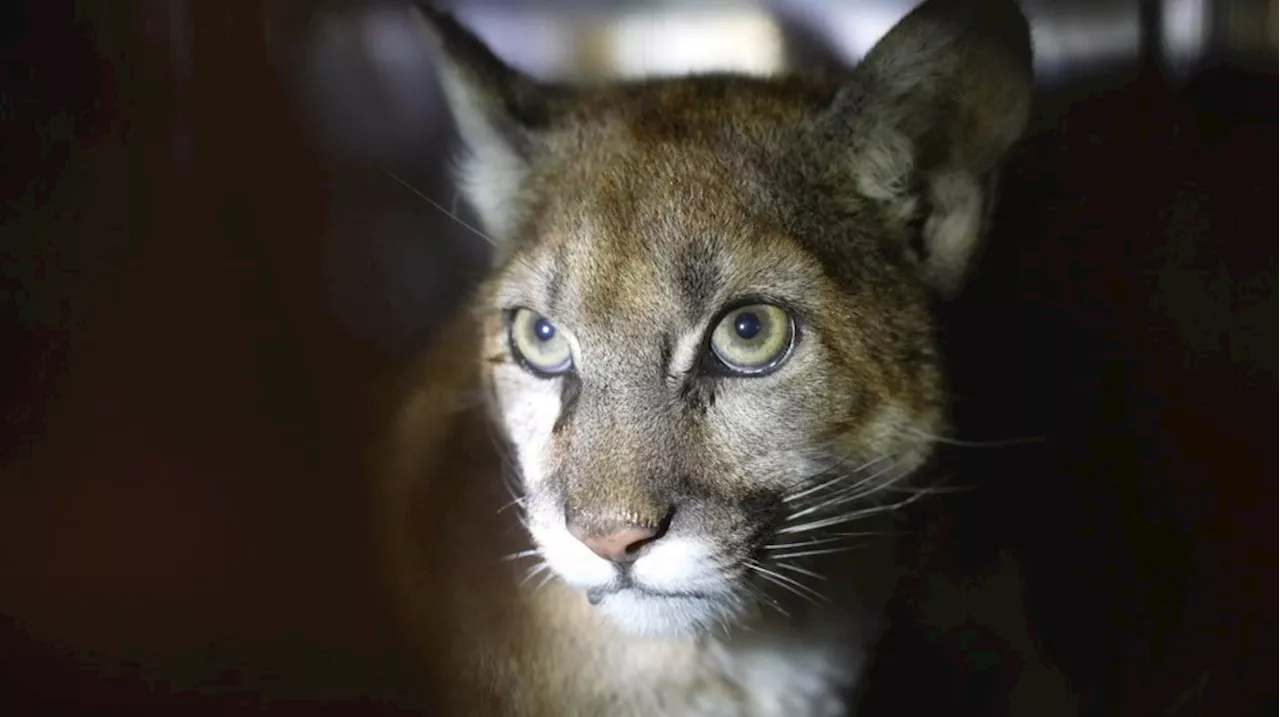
[
  {"x": 500, "y": 113},
  {"x": 927, "y": 117}
]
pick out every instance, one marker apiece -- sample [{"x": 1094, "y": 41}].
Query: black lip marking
[{"x": 595, "y": 596}]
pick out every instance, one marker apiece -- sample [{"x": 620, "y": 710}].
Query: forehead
[{"x": 663, "y": 231}]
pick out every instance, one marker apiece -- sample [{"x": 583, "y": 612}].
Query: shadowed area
[{"x": 201, "y": 282}]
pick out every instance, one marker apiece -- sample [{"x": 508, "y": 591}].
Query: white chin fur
[{"x": 655, "y": 615}]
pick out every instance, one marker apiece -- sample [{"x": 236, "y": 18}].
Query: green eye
[
  {"x": 539, "y": 345},
  {"x": 753, "y": 339}
]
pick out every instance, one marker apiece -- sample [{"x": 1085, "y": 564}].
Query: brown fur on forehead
[
  {"x": 723, "y": 150},
  {"x": 663, "y": 199},
  {"x": 665, "y": 226}
]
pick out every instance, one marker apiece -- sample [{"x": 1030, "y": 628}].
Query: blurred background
[{"x": 222, "y": 222}]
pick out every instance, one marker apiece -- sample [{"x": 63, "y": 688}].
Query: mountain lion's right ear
[
  {"x": 499, "y": 113},
  {"x": 929, "y": 115}
]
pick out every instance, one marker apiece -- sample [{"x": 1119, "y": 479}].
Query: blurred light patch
[
  {"x": 365, "y": 81},
  {"x": 1246, "y": 26},
  {"x": 851, "y": 29},
  {"x": 1068, "y": 39},
  {"x": 1071, "y": 41},
  {"x": 683, "y": 41},
  {"x": 539, "y": 39},
  {"x": 1186, "y": 32}
]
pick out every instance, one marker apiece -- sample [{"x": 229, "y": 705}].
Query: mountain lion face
[{"x": 708, "y": 336}]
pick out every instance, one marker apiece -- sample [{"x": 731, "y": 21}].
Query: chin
[{"x": 636, "y": 613}]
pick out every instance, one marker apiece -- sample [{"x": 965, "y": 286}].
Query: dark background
[{"x": 205, "y": 264}]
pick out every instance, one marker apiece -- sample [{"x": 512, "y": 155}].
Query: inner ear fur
[{"x": 500, "y": 114}]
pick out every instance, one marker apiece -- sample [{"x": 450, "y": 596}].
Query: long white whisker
[
  {"x": 875, "y": 489},
  {"x": 844, "y": 495},
  {"x": 1005, "y": 443},
  {"x": 929, "y": 490},
  {"x": 833, "y": 481},
  {"x": 799, "y": 585},
  {"x": 760, "y": 598},
  {"x": 832, "y": 538},
  {"x": 801, "y": 544},
  {"x": 824, "y": 551},
  {"x": 849, "y": 517},
  {"x": 789, "y": 589},
  {"x": 534, "y": 571},
  {"x": 891, "y": 486},
  {"x": 520, "y": 554},
  {"x": 441, "y": 207},
  {"x": 518, "y": 501},
  {"x": 545, "y": 579},
  {"x": 798, "y": 569}
]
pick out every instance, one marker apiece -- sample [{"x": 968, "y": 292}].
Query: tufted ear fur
[
  {"x": 926, "y": 118},
  {"x": 499, "y": 113}
]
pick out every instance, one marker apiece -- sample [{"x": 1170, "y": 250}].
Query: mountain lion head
[{"x": 708, "y": 335}]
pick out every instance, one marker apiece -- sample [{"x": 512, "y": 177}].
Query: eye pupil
[
  {"x": 544, "y": 330},
  {"x": 747, "y": 325}
]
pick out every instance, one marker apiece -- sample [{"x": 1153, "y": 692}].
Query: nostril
[
  {"x": 620, "y": 545},
  {"x": 640, "y": 540},
  {"x": 625, "y": 545}
]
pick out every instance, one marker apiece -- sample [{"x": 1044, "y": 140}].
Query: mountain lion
[{"x": 652, "y": 469}]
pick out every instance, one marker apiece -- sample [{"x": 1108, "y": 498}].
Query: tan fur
[{"x": 631, "y": 216}]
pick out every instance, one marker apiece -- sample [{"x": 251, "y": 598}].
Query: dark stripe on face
[
  {"x": 665, "y": 351},
  {"x": 556, "y": 280},
  {"x": 698, "y": 276},
  {"x": 570, "y": 389}
]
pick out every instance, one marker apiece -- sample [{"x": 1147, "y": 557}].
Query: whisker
[
  {"x": 518, "y": 502},
  {"x": 535, "y": 570},
  {"x": 520, "y": 554},
  {"x": 843, "y": 495},
  {"x": 789, "y": 589},
  {"x": 875, "y": 490},
  {"x": 439, "y": 206},
  {"x": 833, "y": 538},
  {"x": 833, "y": 481},
  {"x": 761, "y": 598},
  {"x": 930, "y": 490},
  {"x": 798, "y": 569},
  {"x": 786, "y": 581},
  {"x": 916, "y": 492},
  {"x": 545, "y": 579},
  {"x": 824, "y": 551},
  {"x": 849, "y": 517},
  {"x": 1005, "y": 443},
  {"x": 509, "y": 475}
]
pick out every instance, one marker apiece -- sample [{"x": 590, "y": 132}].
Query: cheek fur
[
  {"x": 529, "y": 407},
  {"x": 764, "y": 442}
]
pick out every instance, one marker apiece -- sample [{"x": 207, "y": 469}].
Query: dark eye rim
[
  {"x": 523, "y": 361},
  {"x": 712, "y": 362}
]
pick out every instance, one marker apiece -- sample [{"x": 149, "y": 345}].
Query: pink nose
[{"x": 620, "y": 546}]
